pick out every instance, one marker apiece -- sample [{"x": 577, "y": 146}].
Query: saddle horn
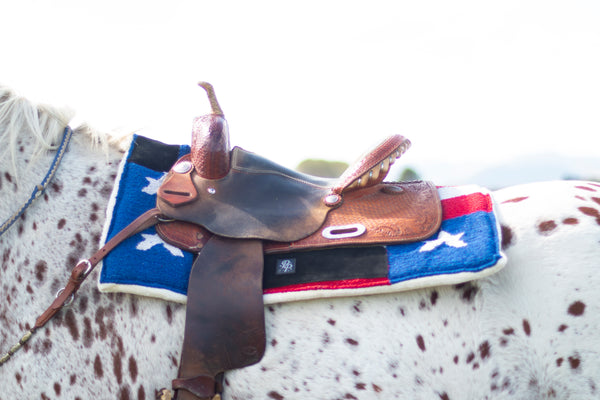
[{"x": 210, "y": 140}]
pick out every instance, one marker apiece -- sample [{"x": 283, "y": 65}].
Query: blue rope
[{"x": 39, "y": 189}]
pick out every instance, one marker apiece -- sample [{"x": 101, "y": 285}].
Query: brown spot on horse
[
  {"x": 526, "y": 327},
  {"x": 469, "y": 290},
  {"x": 546, "y": 227},
  {"x": 484, "y": 350},
  {"x": 98, "y": 369},
  {"x": 40, "y": 270},
  {"x": 591, "y": 212},
  {"x": 470, "y": 358},
  {"x": 118, "y": 367},
  {"x": 421, "y": 342},
  {"x": 515, "y": 200},
  {"x": 133, "y": 369},
  {"x": 589, "y": 189},
  {"x": 275, "y": 396},
  {"x": 576, "y": 309},
  {"x": 71, "y": 323},
  {"x": 574, "y": 362}
]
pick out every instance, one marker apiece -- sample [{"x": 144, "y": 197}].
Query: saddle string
[
  {"x": 80, "y": 272},
  {"x": 39, "y": 189}
]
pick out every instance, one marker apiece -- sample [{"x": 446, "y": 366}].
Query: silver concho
[
  {"x": 183, "y": 167},
  {"x": 332, "y": 199}
]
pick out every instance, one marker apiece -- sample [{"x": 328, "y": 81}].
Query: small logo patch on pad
[{"x": 286, "y": 266}]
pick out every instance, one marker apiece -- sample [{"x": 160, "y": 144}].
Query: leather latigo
[{"x": 389, "y": 212}]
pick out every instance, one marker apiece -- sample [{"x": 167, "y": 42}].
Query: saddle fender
[{"x": 227, "y": 284}]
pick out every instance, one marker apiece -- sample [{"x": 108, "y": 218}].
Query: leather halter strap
[{"x": 81, "y": 271}]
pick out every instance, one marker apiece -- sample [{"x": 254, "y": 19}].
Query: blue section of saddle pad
[
  {"x": 143, "y": 259},
  {"x": 468, "y": 243}
]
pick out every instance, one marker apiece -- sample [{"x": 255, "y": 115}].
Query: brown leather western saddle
[
  {"x": 232, "y": 207},
  {"x": 242, "y": 205}
]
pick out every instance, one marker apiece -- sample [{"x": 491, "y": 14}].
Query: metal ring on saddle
[{"x": 69, "y": 301}]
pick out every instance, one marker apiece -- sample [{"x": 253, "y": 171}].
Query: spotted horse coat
[{"x": 527, "y": 332}]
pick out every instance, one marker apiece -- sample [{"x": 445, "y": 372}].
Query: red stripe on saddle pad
[
  {"x": 462, "y": 205},
  {"x": 343, "y": 284}
]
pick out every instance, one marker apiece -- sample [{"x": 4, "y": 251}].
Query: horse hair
[{"x": 20, "y": 116}]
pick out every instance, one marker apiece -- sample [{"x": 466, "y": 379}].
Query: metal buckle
[
  {"x": 69, "y": 300},
  {"x": 89, "y": 266}
]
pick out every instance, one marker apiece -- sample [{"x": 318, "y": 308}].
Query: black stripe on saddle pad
[
  {"x": 325, "y": 265},
  {"x": 154, "y": 155}
]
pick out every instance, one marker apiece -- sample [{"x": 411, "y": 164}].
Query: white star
[
  {"x": 444, "y": 238},
  {"x": 153, "y": 185},
  {"x": 152, "y": 240}
]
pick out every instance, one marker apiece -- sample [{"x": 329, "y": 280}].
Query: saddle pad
[{"x": 467, "y": 246}]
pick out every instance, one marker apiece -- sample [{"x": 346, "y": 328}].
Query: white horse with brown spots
[{"x": 528, "y": 332}]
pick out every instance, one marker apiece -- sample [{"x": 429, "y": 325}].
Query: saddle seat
[{"x": 259, "y": 199}]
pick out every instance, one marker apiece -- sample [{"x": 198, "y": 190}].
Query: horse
[{"x": 528, "y": 331}]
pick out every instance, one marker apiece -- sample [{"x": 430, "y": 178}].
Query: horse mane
[{"x": 45, "y": 123}]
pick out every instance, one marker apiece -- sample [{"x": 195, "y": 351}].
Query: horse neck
[
  {"x": 29, "y": 135},
  {"x": 83, "y": 180}
]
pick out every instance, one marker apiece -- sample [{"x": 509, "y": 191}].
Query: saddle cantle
[{"x": 233, "y": 206}]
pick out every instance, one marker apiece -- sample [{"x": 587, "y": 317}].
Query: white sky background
[{"x": 467, "y": 81}]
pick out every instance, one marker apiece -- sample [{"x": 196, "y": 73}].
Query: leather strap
[
  {"x": 225, "y": 324},
  {"x": 83, "y": 269}
]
